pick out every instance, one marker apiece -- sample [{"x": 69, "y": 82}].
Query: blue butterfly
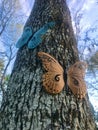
[{"x": 36, "y": 39}]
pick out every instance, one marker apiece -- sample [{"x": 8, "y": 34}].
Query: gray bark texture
[{"x": 27, "y": 106}]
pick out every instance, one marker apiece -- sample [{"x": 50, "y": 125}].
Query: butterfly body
[{"x": 53, "y": 81}]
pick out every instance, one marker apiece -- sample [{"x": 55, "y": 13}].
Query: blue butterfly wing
[
  {"x": 35, "y": 41},
  {"x": 38, "y": 36},
  {"x": 27, "y": 33}
]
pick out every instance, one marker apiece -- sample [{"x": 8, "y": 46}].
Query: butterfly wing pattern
[
  {"x": 53, "y": 81},
  {"x": 27, "y": 33},
  {"x": 75, "y": 79},
  {"x": 34, "y": 40}
]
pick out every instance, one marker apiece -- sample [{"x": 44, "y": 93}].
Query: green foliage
[
  {"x": 1, "y": 63},
  {"x": 1, "y": 66},
  {"x": 6, "y": 79},
  {"x": 3, "y": 77},
  {"x": 94, "y": 60}
]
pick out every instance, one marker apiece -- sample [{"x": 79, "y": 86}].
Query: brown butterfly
[{"x": 53, "y": 80}]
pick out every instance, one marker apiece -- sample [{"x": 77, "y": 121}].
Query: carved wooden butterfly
[
  {"x": 53, "y": 80},
  {"x": 35, "y": 39}
]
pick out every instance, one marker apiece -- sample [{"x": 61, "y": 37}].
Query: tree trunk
[{"x": 27, "y": 106}]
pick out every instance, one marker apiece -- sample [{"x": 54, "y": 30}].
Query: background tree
[
  {"x": 27, "y": 105},
  {"x": 1, "y": 68},
  {"x": 11, "y": 24},
  {"x": 6, "y": 12}
]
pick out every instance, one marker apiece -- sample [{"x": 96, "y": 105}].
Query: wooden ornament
[
  {"x": 53, "y": 81},
  {"x": 75, "y": 79}
]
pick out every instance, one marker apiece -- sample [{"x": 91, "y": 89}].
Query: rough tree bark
[{"x": 27, "y": 106}]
